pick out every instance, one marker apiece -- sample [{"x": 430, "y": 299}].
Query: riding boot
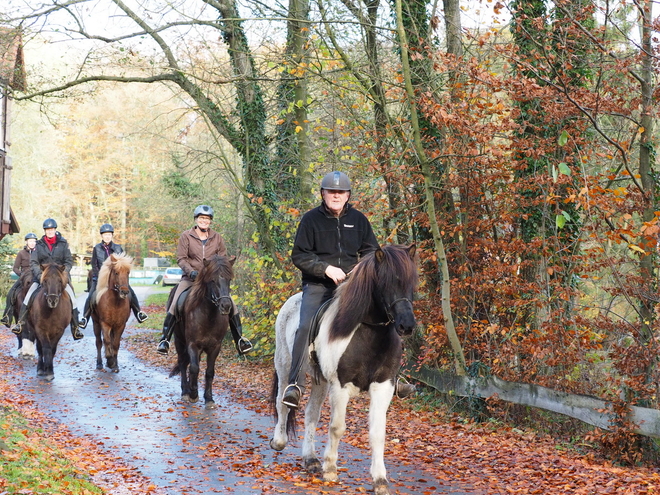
[
  {"x": 140, "y": 315},
  {"x": 164, "y": 344},
  {"x": 9, "y": 306},
  {"x": 243, "y": 345},
  {"x": 22, "y": 316},
  {"x": 75, "y": 332},
  {"x": 9, "y": 314},
  {"x": 403, "y": 389},
  {"x": 292, "y": 392},
  {"x": 87, "y": 312}
]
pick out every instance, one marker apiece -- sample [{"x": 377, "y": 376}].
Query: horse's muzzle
[{"x": 52, "y": 301}]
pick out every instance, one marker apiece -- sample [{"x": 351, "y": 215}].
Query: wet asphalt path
[{"x": 183, "y": 448}]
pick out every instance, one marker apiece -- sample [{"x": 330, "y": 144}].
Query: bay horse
[
  {"x": 358, "y": 348},
  {"x": 26, "y": 345},
  {"x": 111, "y": 308},
  {"x": 202, "y": 325},
  {"x": 49, "y": 315}
]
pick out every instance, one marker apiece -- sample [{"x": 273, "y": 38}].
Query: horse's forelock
[
  {"x": 121, "y": 262},
  {"x": 52, "y": 270}
]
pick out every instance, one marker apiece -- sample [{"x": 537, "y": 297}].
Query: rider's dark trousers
[{"x": 314, "y": 295}]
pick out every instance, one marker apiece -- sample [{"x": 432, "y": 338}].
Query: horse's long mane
[
  {"x": 123, "y": 264},
  {"x": 354, "y": 297},
  {"x": 214, "y": 268}
]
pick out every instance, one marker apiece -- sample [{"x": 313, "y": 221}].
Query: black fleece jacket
[{"x": 323, "y": 240}]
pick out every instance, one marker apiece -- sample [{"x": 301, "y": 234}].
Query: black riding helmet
[
  {"x": 30, "y": 236},
  {"x": 49, "y": 223},
  {"x": 106, "y": 227},
  {"x": 337, "y": 181},
  {"x": 203, "y": 210}
]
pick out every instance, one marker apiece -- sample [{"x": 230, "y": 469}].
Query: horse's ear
[
  {"x": 61, "y": 268},
  {"x": 113, "y": 258},
  {"x": 380, "y": 255},
  {"x": 412, "y": 249},
  {"x": 232, "y": 260}
]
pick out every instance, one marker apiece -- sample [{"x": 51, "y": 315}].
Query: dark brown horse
[
  {"x": 49, "y": 315},
  {"x": 26, "y": 347},
  {"x": 111, "y": 308},
  {"x": 202, "y": 327}
]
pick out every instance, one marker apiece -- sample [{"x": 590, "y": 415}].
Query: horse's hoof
[
  {"x": 99, "y": 367},
  {"x": 193, "y": 399},
  {"x": 314, "y": 466},
  {"x": 381, "y": 487},
  {"x": 279, "y": 446},
  {"x": 330, "y": 476},
  {"x": 210, "y": 405},
  {"x": 40, "y": 372},
  {"x": 115, "y": 369},
  {"x": 49, "y": 378},
  {"x": 185, "y": 397}
]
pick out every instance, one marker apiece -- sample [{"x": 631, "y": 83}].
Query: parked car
[{"x": 172, "y": 276}]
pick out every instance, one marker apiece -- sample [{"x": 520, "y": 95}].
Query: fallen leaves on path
[{"x": 474, "y": 458}]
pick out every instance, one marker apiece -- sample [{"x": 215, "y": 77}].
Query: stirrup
[
  {"x": 82, "y": 323},
  {"x": 77, "y": 334},
  {"x": 291, "y": 396},
  {"x": 5, "y": 320},
  {"x": 163, "y": 347},
  {"x": 243, "y": 345},
  {"x": 17, "y": 328},
  {"x": 141, "y": 316}
]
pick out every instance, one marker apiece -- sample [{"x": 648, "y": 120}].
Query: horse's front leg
[
  {"x": 46, "y": 355},
  {"x": 99, "y": 344},
  {"x": 208, "y": 376},
  {"x": 193, "y": 373},
  {"x": 338, "y": 401},
  {"x": 380, "y": 396},
  {"x": 110, "y": 348},
  {"x": 312, "y": 416}
]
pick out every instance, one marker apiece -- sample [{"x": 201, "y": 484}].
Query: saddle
[
  {"x": 313, "y": 333},
  {"x": 177, "y": 307}
]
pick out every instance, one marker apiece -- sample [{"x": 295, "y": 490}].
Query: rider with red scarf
[{"x": 51, "y": 248}]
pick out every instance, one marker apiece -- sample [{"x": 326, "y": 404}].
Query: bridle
[
  {"x": 217, "y": 300},
  {"x": 388, "y": 312}
]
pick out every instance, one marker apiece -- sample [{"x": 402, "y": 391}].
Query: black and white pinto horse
[{"x": 358, "y": 348}]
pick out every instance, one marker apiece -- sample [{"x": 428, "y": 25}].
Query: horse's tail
[
  {"x": 274, "y": 388},
  {"x": 175, "y": 371},
  {"x": 291, "y": 416}
]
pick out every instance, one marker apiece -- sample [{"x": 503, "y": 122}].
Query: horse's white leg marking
[
  {"x": 312, "y": 416},
  {"x": 338, "y": 402},
  {"x": 286, "y": 325},
  {"x": 380, "y": 395}
]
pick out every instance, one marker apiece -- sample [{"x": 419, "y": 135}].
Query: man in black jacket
[
  {"x": 330, "y": 240},
  {"x": 100, "y": 253},
  {"x": 51, "y": 248}
]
